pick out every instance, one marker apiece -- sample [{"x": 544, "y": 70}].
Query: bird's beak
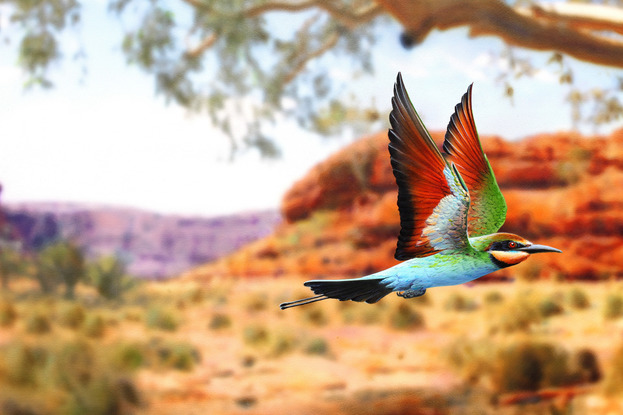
[{"x": 535, "y": 249}]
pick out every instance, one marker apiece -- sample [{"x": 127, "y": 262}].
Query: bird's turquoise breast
[{"x": 437, "y": 270}]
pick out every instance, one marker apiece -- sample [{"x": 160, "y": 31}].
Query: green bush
[
  {"x": 523, "y": 366},
  {"x": 549, "y": 306},
  {"x": 531, "y": 366},
  {"x": 578, "y": 299},
  {"x": 128, "y": 356},
  {"x": 219, "y": 321},
  {"x": 613, "y": 307},
  {"x": 254, "y": 335},
  {"x": 162, "y": 318},
  {"x": 62, "y": 261},
  {"x": 109, "y": 277},
  {"x": 272, "y": 343},
  {"x": 71, "y": 315},
  {"x": 176, "y": 355},
  {"x": 75, "y": 375},
  {"x": 94, "y": 326},
  {"x": 20, "y": 363},
  {"x": 317, "y": 346}
]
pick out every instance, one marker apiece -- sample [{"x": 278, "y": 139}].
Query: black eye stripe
[{"x": 505, "y": 245}]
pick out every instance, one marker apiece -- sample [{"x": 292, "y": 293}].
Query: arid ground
[{"x": 225, "y": 347}]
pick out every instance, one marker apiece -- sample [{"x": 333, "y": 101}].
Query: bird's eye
[{"x": 512, "y": 245}]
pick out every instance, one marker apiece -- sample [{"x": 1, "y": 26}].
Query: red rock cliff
[{"x": 341, "y": 219}]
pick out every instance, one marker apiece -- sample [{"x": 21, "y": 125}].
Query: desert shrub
[
  {"x": 14, "y": 406},
  {"x": 37, "y": 323},
  {"x": 132, "y": 314},
  {"x": 472, "y": 358},
  {"x": 271, "y": 343},
  {"x": 578, "y": 299},
  {"x": 281, "y": 342},
  {"x": 62, "y": 261},
  {"x": 162, "y": 318},
  {"x": 11, "y": 263},
  {"x": 20, "y": 362},
  {"x": 613, "y": 307},
  {"x": 104, "y": 395},
  {"x": 109, "y": 277},
  {"x": 195, "y": 295},
  {"x": 458, "y": 302},
  {"x": 75, "y": 373},
  {"x": 520, "y": 366},
  {"x": 370, "y": 314},
  {"x": 403, "y": 317},
  {"x": 550, "y": 306},
  {"x": 256, "y": 301},
  {"x": 255, "y": 334},
  {"x": 531, "y": 366},
  {"x": 8, "y": 313},
  {"x": 316, "y": 316},
  {"x": 613, "y": 379},
  {"x": 94, "y": 325},
  {"x": 517, "y": 315},
  {"x": 587, "y": 368},
  {"x": 71, "y": 315},
  {"x": 317, "y": 346},
  {"x": 128, "y": 356},
  {"x": 83, "y": 372},
  {"x": 493, "y": 297},
  {"x": 177, "y": 355},
  {"x": 219, "y": 321}
]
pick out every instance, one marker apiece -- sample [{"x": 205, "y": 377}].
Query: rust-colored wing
[
  {"x": 488, "y": 209},
  {"x": 432, "y": 199}
]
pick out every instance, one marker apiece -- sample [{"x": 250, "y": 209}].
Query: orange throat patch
[{"x": 510, "y": 257}]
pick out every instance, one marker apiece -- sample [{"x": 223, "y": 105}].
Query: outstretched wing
[
  {"x": 488, "y": 209},
  {"x": 432, "y": 198}
]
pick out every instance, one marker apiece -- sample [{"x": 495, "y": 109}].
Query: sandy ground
[{"x": 368, "y": 366}]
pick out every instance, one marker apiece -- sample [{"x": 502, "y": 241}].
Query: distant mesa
[{"x": 154, "y": 245}]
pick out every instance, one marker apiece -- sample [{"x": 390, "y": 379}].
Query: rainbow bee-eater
[{"x": 451, "y": 208}]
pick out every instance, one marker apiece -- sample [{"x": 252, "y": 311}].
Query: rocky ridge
[
  {"x": 154, "y": 245},
  {"x": 341, "y": 219}
]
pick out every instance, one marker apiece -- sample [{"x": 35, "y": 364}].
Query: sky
[{"x": 102, "y": 136}]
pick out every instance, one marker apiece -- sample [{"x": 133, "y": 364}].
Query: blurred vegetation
[
  {"x": 109, "y": 277},
  {"x": 62, "y": 261},
  {"x": 261, "y": 69},
  {"x": 11, "y": 264},
  {"x": 91, "y": 353}
]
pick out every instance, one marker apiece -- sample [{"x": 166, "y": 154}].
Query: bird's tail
[{"x": 369, "y": 290}]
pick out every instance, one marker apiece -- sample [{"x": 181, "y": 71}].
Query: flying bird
[{"x": 451, "y": 209}]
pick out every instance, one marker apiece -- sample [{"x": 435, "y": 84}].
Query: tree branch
[
  {"x": 582, "y": 15},
  {"x": 302, "y": 61},
  {"x": 348, "y": 17},
  {"x": 495, "y": 18},
  {"x": 204, "y": 45}
]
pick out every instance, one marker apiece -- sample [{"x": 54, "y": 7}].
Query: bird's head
[{"x": 507, "y": 249}]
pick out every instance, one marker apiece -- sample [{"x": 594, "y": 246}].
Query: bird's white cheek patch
[{"x": 509, "y": 257}]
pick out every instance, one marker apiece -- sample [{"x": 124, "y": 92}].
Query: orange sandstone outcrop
[{"x": 341, "y": 219}]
